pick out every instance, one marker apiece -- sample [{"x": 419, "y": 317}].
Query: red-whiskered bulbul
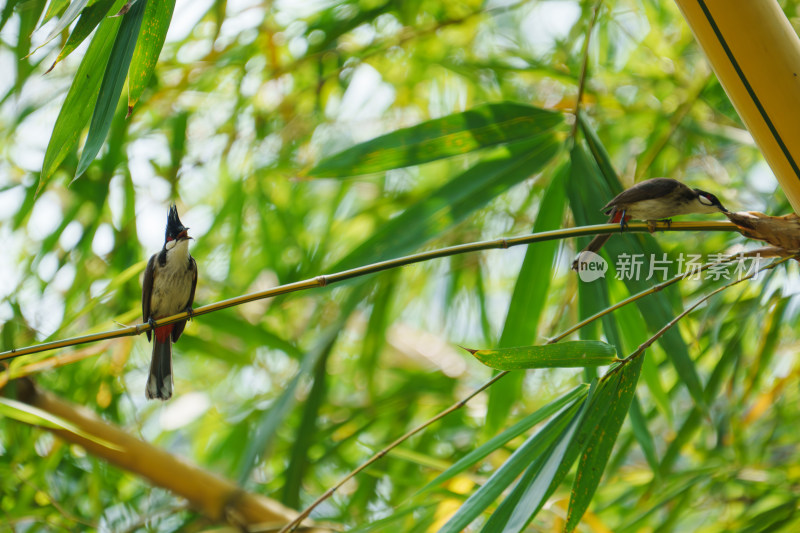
[
  {"x": 652, "y": 200},
  {"x": 169, "y": 283}
]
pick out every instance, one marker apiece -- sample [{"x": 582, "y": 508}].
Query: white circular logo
[{"x": 591, "y": 266}]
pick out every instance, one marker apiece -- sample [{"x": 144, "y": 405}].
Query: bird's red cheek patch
[{"x": 163, "y": 333}]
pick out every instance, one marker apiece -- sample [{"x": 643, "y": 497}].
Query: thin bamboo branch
[
  {"x": 584, "y": 67},
  {"x": 329, "y": 279}
]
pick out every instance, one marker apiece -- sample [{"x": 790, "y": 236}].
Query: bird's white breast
[{"x": 172, "y": 283}]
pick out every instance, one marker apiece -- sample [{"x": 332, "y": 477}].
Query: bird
[
  {"x": 170, "y": 280},
  {"x": 651, "y": 200}
]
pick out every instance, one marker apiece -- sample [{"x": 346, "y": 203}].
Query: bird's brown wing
[
  {"x": 644, "y": 190},
  {"x": 178, "y": 329},
  {"x": 147, "y": 291}
]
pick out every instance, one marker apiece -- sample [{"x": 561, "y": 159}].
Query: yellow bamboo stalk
[
  {"x": 217, "y": 498},
  {"x": 755, "y": 53}
]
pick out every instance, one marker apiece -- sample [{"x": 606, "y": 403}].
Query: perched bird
[
  {"x": 170, "y": 280},
  {"x": 652, "y": 200}
]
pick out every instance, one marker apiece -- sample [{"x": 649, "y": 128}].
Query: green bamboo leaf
[
  {"x": 90, "y": 17},
  {"x": 642, "y": 433},
  {"x": 533, "y": 447},
  {"x": 542, "y": 477},
  {"x": 66, "y": 19},
  {"x": 305, "y": 436},
  {"x": 81, "y": 98},
  {"x": 531, "y": 485},
  {"x": 29, "y": 13},
  {"x": 8, "y": 10},
  {"x": 157, "y": 16},
  {"x": 600, "y": 155},
  {"x": 530, "y": 296},
  {"x": 633, "y": 334},
  {"x": 454, "y": 201},
  {"x": 509, "y": 434},
  {"x": 601, "y": 442},
  {"x": 55, "y": 8},
  {"x": 111, "y": 88},
  {"x": 457, "y": 134},
  {"x": 568, "y": 354}
]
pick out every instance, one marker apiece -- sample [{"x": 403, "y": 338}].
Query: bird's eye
[{"x": 705, "y": 200}]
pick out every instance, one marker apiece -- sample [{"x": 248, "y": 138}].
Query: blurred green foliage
[{"x": 246, "y": 99}]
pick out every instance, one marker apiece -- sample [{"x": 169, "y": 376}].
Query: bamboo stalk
[
  {"x": 755, "y": 53},
  {"x": 217, "y": 498}
]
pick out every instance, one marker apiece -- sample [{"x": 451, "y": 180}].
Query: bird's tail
[
  {"x": 593, "y": 246},
  {"x": 159, "y": 384}
]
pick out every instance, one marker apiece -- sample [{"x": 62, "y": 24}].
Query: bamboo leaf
[
  {"x": 90, "y": 17},
  {"x": 530, "y": 296},
  {"x": 8, "y": 10},
  {"x": 542, "y": 477},
  {"x": 642, "y": 433},
  {"x": 601, "y": 442},
  {"x": 157, "y": 17},
  {"x": 111, "y": 87},
  {"x": 531, "y": 483},
  {"x": 55, "y": 8},
  {"x": 454, "y": 201},
  {"x": 457, "y": 134},
  {"x": 29, "y": 13},
  {"x": 66, "y": 19},
  {"x": 77, "y": 108},
  {"x": 505, "y": 475},
  {"x": 511, "y": 433},
  {"x": 567, "y": 354}
]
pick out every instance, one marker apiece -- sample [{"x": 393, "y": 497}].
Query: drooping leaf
[
  {"x": 88, "y": 21},
  {"x": 452, "y": 202},
  {"x": 29, "y": 14},
  {"x": 456, "y": 134},
  {"x": 530, "y": 295},
  {"x": 505, "y": 475},
  {"x": 157, "y": 16},
  {"x": 111, "y": 87},
  {"x": 77, "y": 108},
  {"x": 566, "y": 354},
  {"x": 511, "y": 433},
  {"x": 55, "y": 8},
  {"x": 600, "y": 443},
  {"x": 543, "y": 475},
  {"x": 643, "y": 435}
]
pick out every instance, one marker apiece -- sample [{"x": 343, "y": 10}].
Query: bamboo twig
[
  {"x": 324, "y": 280},
  {"x": 584, "y": 67}
]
